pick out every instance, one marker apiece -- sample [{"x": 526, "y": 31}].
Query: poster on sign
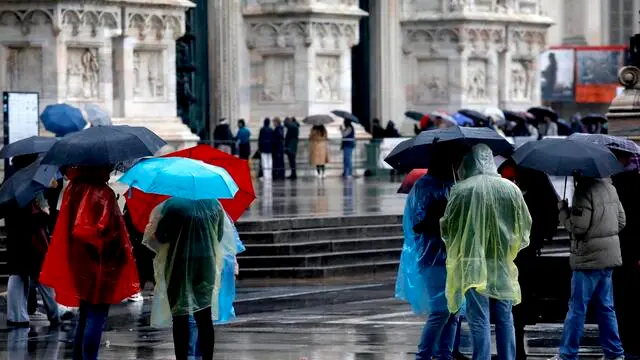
[
  {"x": 597, "y": 73},
  {"x": 21, "y": 114},
  {"x": 557, "y": 75}
]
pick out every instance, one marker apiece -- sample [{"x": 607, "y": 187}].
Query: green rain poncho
[
  {"x": 190, "y": 239},
  {"x": 485, "y": 225}
]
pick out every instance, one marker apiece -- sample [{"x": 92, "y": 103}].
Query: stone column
[{"x": 300, "y": 57}]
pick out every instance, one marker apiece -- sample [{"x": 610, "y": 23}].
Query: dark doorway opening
[{"x": 361, "y": 70}]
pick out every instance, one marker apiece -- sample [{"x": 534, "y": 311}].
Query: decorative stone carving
[
  {"x": 83, "y": 74},
  {"x": 433, "y": 84},
  {"x": 291, "y": 34},
  {"x": 278, "y": 79},
  {"x": 477, "y": 80},
  {"x": 413, "y": 6},
  {"x": 27, "y": 19},
  {"x": 430, "y": 40},
  {"x": 526, "y": 42},
  {"x": 523, "y": 80},
  {"x": 24, "y": 69},
  {"x": 328, "y": 78},
  {"x": 148, "y": 70},
  {"x": 156, "y": 25},
  {"x": 93, "y": 20}
]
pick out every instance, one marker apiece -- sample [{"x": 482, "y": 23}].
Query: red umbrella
[
  {"x": 140, "y": 204},
  {"x": 410, "y": 179}
]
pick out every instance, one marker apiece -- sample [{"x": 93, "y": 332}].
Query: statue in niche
[
  {"x": 518, "y": 82},
  {"x": 90, "y": 74},
  {"x": 136, "y": 73},
  {"x": 278, "y": 84},
  {"x": 431, "y": 89},
  {"x": 327, "y": 79},
  {"x": 477, "y": 84}
]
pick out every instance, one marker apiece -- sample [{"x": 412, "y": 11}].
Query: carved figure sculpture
[{"x": 90, "y": 74}]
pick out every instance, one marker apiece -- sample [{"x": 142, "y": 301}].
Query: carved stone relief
[
  {"x": 295, "y": 33},
  {"x": 26, "y": 19},
  {"x": 24, "y": 69},
  {"x": 155, "y": 25},
  {"x": 92, "y": 20},
  {"x": 523, "y": 80},
  {"x": 83, "y": 74},
  {"x": 149, "y": 76},
  {"x": 327, "y": 78},
  {"x": 477, "y": 80},
  {"x": 277, "y": 79},
  {"x": 411, "y": 6},
  {"x": 433, "y": 83}
]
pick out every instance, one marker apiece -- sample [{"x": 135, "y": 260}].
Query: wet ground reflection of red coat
[{"x": 90, "y": 257}]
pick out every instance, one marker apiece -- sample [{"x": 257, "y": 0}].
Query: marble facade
[{"x": 119, "y": 54}]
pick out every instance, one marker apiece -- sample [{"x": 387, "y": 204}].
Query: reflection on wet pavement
[{"x": 371, "y": 330}]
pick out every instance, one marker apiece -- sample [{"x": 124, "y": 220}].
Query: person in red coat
[{"x": 90, "y": 261}]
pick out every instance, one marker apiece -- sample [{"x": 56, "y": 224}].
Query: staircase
[{"x": 320, "y": 247}]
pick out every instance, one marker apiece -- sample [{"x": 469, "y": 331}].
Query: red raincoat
[{"x": 90, "y": 257}]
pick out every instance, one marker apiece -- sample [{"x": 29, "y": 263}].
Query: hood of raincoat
[
  {"x": 190, "y": 239},
  {"x": 478, "y": 161},
  {"x": 485, "y": 224},
  {"x": 90, "y": 257}
]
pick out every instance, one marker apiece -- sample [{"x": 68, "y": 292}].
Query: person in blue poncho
[{"x": 422, "y": 274}]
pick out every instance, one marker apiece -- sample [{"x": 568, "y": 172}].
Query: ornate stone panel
[
  {"x": 149, "y": 76},
  {"x": 433, "y": 84},
  {"x": 83, "y": 74},
  {"x": 24, "y": 69},
  {"x": 79, "y": 21},
  {"x": 327, "y": 82},
  {"x": 27, "y": 19},
  {"x": 278, "y": 85},
  {"x": 523, "y": 80},
  {"x": 476, "y": 89}
]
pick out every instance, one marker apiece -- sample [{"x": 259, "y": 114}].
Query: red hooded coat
[{"x": 90, "y": 257}]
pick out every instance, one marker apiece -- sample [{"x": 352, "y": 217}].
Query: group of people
[
  {"x": 89, "y": 263},
  {"x": 472, "y": 239}
]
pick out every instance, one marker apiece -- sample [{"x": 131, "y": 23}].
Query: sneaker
[{"x": 136, "y": 298}]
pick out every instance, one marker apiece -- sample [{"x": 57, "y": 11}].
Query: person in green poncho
[{"x": 486, "y": 223}]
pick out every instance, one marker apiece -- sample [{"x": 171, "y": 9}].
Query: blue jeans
[
  {"x": 596, "y": 286},
  {"x": 194, "y": 351},
  {"x": 347, "y": 165},
  {"x": 439, "y": 332},
  {"x": 479, "y": 308},
  {"x": 89, "y": 331}
]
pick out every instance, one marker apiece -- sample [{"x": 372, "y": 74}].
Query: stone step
[
  {"x": 286, "y": 237},
  {"x": 315, "y": 222},
  {"x": 320, "y": 246},
  {"x": 356, "y": 268},
  {"x": 320, "y": 259}
]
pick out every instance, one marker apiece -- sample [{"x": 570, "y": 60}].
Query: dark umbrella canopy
[
  {"x": 346, "y": 115},
  {"x": 594, "y": 119},
  {"x": 104, "y": 145},
  {"x": 566, "y": 157},
  {"x": 479, "y": 119},
  {"x": 63, "y": 119},
  {"x": 30, "y": 145},
  {"x": 414, "y": 115},
  {"x": 418, "y": 152},
  {"x": 24, "y": 184},
  {"x": 541, "y": 111},
  {"x": 318, "y": 120},
  {"x": 611, "y": 142}
]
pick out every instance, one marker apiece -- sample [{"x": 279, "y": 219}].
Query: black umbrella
[
  {"x": 594, "y": 119},
  {"x": 318, "y": 120},
  {"x": 346, "y": 115},
  {"x": 414, "y": 115},
  {"x": 28, "y": 146},
  {"x": 104, "y": 145},
  {"x": 480, "y": 119},
  {"x": 542, "y": 111},
  {"x": 24, "y": 184},
  {"x": 565, "y": 157},
  {"x": 441, "y": 142}
]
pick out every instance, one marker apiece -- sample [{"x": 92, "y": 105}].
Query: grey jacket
[{"x": 594, "y": 222}]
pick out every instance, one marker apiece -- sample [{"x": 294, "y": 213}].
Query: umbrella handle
[
  {"x": 564, "y": 195},
  {"x": 454, "y": 174}
]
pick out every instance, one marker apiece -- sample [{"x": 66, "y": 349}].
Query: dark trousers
[
  {"x": 292, "y": 163},
  {"x": 626, "y": 304},
  {"x": 244, "y": 151},
  {"x": 206, "y": 335},
  {"x": 89, "y": 330}
]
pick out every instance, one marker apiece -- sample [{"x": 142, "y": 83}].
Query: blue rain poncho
[
  {"x": 422, "y": 273},
  {"x": 227, "y": 294},
  {"x": 191, "y": 239},
  {"x": 485, "y": 225}
]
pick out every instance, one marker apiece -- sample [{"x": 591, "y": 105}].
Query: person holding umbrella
[
  {"x": 485, "y": 224},
  {"x": 319, "y": 153},
  {"x": 348, "y": 144}
]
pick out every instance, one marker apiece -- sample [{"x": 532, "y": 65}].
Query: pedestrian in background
[
  {"x": 243, "y": 140},
  {"x": 485, "y": 224},
  {"x": 291, "y": 144},
  {"x": 278, "y": 149},
  {"x": 594, "y": 221},
  {"x": 265, "y": 146},
  {"x": 422, "y": 274},
  {"x": 318, "y": 152},
  {"x": 223, "y": 137},
  {"x": 348, "y": 144},
  {"x": 628, "y": 275}
]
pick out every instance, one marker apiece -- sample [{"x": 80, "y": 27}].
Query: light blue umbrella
[
  {"x": 181, "y": 177},
  {"x": 97, "y": 116}
]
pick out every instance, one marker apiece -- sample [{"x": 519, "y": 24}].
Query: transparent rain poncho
[
  {"x": 422, "y": 274},
  {"x": 486, "y": 224},
  {"x": 191, "y": 239}
]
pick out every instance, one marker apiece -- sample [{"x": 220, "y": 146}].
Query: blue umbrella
[
  {"x": 463, "y": 120},
  {"x": 346, "y": 115},
  {"x": 23, "y": 186},
  {"x": 63, "y": 119},
  {"x": 97, "y": 116},
  {"x": 181, "y": 177},
  {"x": 30, "y": 145}
]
